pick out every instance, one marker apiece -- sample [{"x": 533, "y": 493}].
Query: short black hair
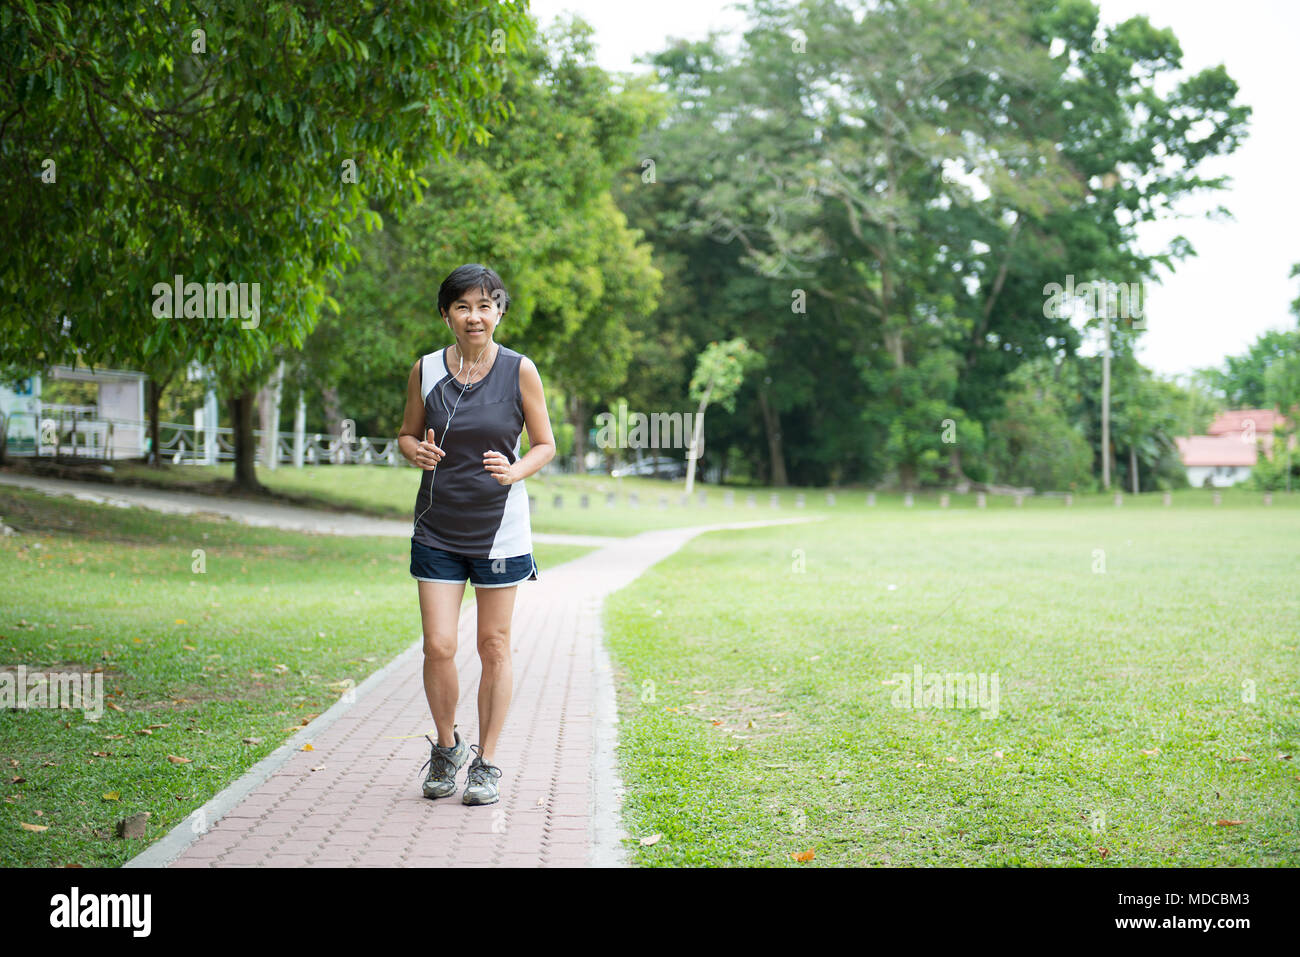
[{"x": 472, "y": 276}]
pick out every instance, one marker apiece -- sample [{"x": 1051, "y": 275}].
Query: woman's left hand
[{"x": 500, "y": 467}]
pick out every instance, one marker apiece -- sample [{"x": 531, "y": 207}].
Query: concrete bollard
[
  {"x": 583, "y": 500},
  {"x": 1020, "y": 499},
  {"x": 1218, "y": 498},
  {"x": 1168, "y": 500},
  {"x": 749, "y": 501},
  {"x": 633, "y": 500},
  {"x": 663, "y": 501},
  {"x": 907, "y": 500},
  {"x": 1268, "y": 498},
  {"x": 871, "y": 499},
  {"x": 1119, "y": 499},
  {"x": 609, "y": 499},
  {"x": 798, "y": 500},
  {"x": 943, "y": 500},
  {"x": 559, "y": 501},
  {"x": 830, "y": 498},
  {"x": 702, "y": 497},
  {"x": 729, "y": 498},
  {"x": 774, "y": 500},
  {"x": 683, "y": 499},
  {"x": 1069, "y": 499},
  {"x": 980, "y": 500}
]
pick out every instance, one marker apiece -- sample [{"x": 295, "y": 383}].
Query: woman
[{"x": 465, "y": 408}]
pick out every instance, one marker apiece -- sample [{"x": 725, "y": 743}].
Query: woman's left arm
[{"x": 541, "y": 441}]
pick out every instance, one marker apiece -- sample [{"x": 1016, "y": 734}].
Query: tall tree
[{"x": 226, "y": 143}]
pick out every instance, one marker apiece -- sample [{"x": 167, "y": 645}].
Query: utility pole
[{"x": 1105, "y": 409}]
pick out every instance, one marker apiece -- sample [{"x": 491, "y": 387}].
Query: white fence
[{"x": 71, "y": 430}]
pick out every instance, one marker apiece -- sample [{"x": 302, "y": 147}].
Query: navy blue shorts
[{"x": 438, "y": 565}]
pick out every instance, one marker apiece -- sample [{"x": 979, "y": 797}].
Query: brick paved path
[{"x": 559, "y": 792}]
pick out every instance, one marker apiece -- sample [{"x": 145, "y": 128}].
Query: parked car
[{"x": 661, "y": 466}]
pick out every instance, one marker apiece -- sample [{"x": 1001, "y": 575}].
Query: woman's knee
[
  {"x": 440, "y": 647},
  {"x": 494, "y": 646}
]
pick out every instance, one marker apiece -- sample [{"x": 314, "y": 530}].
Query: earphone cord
[{"x": 443, "y": 396}]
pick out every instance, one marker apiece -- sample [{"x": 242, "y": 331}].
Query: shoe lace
[
  {"x": 439, "y": 758},
  {"x": 480, "y": 772}
]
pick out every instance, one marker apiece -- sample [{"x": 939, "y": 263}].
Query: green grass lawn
[
  {"x": 1146, "y": 661},
  {"x": 220, "y": 666}
]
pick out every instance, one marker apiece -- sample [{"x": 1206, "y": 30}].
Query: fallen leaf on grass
[
  {"x": 1104, "y": 852},
  {"x": 114, "y": 737},
  {"x": 34, "y": 827},
  {"x": 1239, "y": 758},
  {"x": 174, "y": 759},
  {"x": 1224, "y": 822},
  {"x": 144, "y": 731},
  {"x": 1151, "y": 751},
  {"x": 114, "y": 705},
  {"x": 101, "y": 754},
  {"x": 252, "y": 740},
  {"x": 652, "y": 839},
  {"x": 113, "y": 796},
  {"x": 717, "y": 722},
  {"x": 189, "y": 648},
  {"x": 803, "y": 857},
  {"x": 17, "y": 779}
]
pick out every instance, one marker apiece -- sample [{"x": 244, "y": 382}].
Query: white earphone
[{"x": 443, "y": 396}]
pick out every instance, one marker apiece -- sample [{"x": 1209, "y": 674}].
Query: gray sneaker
[
  {"x": 481, "y": 784},
  {"x": 443, "y": 764}
]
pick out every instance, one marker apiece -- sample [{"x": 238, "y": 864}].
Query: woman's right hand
[{"x": 427, "y": 455}]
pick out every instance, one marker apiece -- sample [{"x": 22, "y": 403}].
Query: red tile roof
[
  {"x": 1216, "y": 450},
  {"x": 1237, "y": 419}
]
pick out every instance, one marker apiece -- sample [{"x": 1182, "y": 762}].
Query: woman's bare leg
[
  {"x": 496, "y": 607},
  {"x": 440, "y": 616}
]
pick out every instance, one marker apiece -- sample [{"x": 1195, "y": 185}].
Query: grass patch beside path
[
  {"x": 250, "y": 648},
  {"x": 1138, "y": 705}
]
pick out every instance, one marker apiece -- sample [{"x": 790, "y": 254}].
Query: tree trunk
[
  {"x": 578, "y": 416},
  {"x": 697, "y": 437},
  {"x": 333, "y": 410},
  {"x": 1133, "y": 468},
  {"x": 155, "y": 400},
  {"x": 776, "y": 455},
  {"x": 907, "y": 476},
  {"x": 241, "y": 419}
]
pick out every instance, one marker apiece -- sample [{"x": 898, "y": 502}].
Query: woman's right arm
[{"x": 413, "y": 440}]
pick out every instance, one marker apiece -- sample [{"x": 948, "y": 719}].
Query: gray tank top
[{"x": 471, "y": 513}]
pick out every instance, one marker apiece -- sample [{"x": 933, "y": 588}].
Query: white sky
[{"x": 1217, "y": 302}]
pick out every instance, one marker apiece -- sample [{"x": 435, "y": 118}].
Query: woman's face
[{"x": 473, "y": 317}]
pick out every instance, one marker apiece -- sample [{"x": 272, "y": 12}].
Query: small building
[
  {"x": 1228, "y": 453},
  {"x": 114, "y": 427}
]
